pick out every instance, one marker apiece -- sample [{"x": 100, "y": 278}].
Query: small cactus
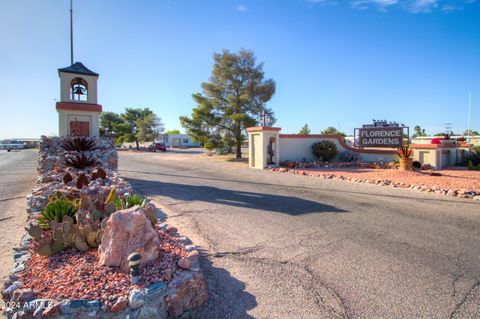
[
  {"x": 86, "y": 230},
  {"x": 92, "y": 239},
  {"x": 69, "y": 239},
  {"x": 68, "y": 219},
  {"x": 58, "y": 235},
  {"x": 80, "y": 243},
  {"x": 66, "y": 228},
  {"x": 34, "y": 230},
  {"x": 45, "y": 250},
  {"x": 57, "y": 246}
]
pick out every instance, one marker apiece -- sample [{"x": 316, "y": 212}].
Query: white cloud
[
  {"x": 241, "y": 8},
  {"x": 422, "y": 6},
  {"x": 413, "y": 6}
]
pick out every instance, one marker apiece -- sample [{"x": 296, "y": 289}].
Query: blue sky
[{"x": 336, "y": 63}]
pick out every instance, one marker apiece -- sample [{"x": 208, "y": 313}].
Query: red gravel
[
  {"x": 454, "y": 178},
  {"x": 72, "y": 274}
]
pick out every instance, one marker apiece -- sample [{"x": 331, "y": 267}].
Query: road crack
[{"x": 464, "y": 299}]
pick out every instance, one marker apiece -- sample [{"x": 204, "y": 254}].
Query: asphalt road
[
  {"x": 17, "y": 178},
  {"x": 287, "y": 246}
]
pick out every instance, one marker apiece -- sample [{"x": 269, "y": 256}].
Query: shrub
[
  {"x": 80, "y": 161},
  {"x": 57, "y": 208},
  {"x": 474, "y": 155},
  {"x": 348, "y": 156},
  {"x": 324, "y": 150},
  {"x": 224, "y": 150},
  {"x": 79, "y": 144}
]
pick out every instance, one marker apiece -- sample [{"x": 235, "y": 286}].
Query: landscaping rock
[
  {"x": 136, "y": 299},
  {"x": 120, "y": 304},
  {"x": 128, "y": 231},
  {"x": 184, "y": 263},
  {"x": 22, "y": 295},
  {"x": 187, "y": 291}
]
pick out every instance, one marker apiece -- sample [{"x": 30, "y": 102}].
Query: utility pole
[{"x": 71, "y": 31}]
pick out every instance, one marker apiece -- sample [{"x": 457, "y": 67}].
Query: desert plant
[
  {"x": 472, "y": 166},
  {"x": 324, "y": 150},
  {"x": 57, "y": 208},
  {"x": 66, "y": 234},
  {"x": 130, "y": 200},
  {"x": 80, "y": 161},
  {"x": 348, "y": 156},
  {"x": 79, "y": 144},
  {"x": 404, "y": 152}
]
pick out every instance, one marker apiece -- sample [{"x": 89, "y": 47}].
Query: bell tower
[{"x": 77, "y": 109}]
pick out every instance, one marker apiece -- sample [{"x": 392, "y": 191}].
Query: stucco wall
[
  {"x": 298, "y": 148},
  {"x": 66, "y": 79},
  {"x": 65, "y": 116}
]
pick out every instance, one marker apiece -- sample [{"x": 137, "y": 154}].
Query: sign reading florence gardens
[{"x": 380, "y": 134}]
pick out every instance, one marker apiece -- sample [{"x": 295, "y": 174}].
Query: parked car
[{"x": 157, "y": 147}]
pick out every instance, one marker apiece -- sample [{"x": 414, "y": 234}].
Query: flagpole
[
  {"x": 71, "y": 31},
  {"x": 469, "y": 112}
]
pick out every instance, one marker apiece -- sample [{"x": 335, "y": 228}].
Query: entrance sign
[{"x": 381, "y": 134}]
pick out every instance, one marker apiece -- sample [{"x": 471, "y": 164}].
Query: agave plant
[
  {"x": 404, "y": 152},
  {"x": 79, "y": 144},
  {"x": 57, "y": 208},
  {"x": 130, "y": 200},
  {"x": 80, "y": 161}
]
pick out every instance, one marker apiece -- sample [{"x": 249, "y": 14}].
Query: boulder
[{"x": 128, "y": 231}]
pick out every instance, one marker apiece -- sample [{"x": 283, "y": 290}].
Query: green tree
[
  {"x": 108, "y": 121},
  {"x": 418, "y": 131},
  {"x": 333, "y": 131},
  {"x": 470, "y": 133},
  {"x": 234, "y": 99},
  {"x": 137, "y": 125},
  {"x": 172, "y": 132},
  {"x": 305, "y": 130},
  {"x": 149, "y": 128}
]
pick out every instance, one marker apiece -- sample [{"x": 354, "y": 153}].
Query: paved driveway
[
  {"x": 285, "y": 246},
  {"x": 17, "y": 177}
]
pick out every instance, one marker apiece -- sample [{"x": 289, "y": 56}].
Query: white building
[{"x": 178, "y": 140}]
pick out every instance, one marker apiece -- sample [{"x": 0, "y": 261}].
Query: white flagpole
[{"x": 469, "y": 112}]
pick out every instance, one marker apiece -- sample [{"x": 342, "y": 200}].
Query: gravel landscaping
[
  {"x": 452, "y": 181},
  {"x": 84, "y": 224}
]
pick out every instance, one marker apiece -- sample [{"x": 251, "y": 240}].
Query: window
[{"x": 185, "y": 140}]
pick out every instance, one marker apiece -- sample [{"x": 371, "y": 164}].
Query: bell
[{"x": 78, "y": 90}]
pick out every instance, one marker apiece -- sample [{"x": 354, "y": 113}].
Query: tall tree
[
  {"x": 149, "y": 128},
  {"x": 418, "y": 131},
  {"x": 108, "y": 121},
  {"x": 305, "y": 130},
  {"x": 135, "y": 126},
  {"x": 333, "y": 131},
  {"x": 234, "y": 98}
]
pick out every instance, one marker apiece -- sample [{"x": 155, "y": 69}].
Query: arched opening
[{"x": 79, "y": 89}]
